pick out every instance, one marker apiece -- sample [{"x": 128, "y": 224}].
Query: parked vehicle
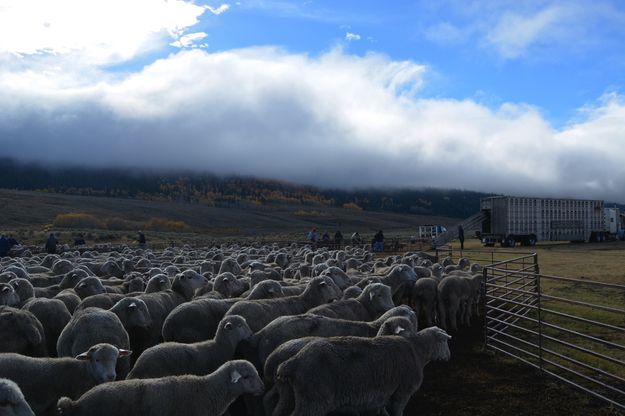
[{"x": 510, "y": 220}]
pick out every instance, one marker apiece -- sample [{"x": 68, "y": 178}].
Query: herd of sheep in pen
[{"x": 256, "y": 330}]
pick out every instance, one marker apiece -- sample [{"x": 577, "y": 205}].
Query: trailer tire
[
  {"x": 531, "y": 241},
  {"x": 510, "y": 242}
]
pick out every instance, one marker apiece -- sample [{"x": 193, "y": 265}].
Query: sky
[{"x": 518, "y": 98}]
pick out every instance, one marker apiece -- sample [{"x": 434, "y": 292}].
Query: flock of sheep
[{"x": 257, "y": 329}]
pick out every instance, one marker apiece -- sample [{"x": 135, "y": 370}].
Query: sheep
[
  {"x": 230, "y": 265},
  {"x": 259, "y": 313},
  {"x": 286, "y": 328},
  {"x": 158, "y": 283},
  {"x": 8, "y": 295},
  {"x": 352, "y": 292},
  {"x": 69, "y": 298},
  {"x": 6, "y": 277},
  {"x": 228, "y": 285},
  {"x": 371, "y": 377},
  {"x": 101, "y": 300},
  {"x": 374, "y": 300},
  {"x": 44, "y": 380},
  {"x": 454, "y": 293},
  {"x": 89, "y": 286},
  {"x": 424, "y": 299},
  {"x": 169, "y": 396},
  {"x": 23, "y": 288},
  {"x": 339, "y": 276},
  {"x": 195, "y": 321},
  {"x": 21, "y": 332},
  {"x": 53, "y": 315},
  {"x": 400, "y": 279},
  {"x": 92, "y": 326},
  {"x": 12, "y": 402},
  {"x": 200, "y": 358},
  {"x": 160, "y": 304}
]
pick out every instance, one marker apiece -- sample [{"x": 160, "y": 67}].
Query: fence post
[
  {"x": 539, "y": 317},
  {"x": 485, "y": 308}
]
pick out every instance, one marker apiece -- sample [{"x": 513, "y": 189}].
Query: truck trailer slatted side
[{"x": 512, "y": 220}]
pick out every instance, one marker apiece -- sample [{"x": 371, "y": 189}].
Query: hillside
[
  {"x": 230, "y": 191},
  {"x": 20, "y": 210}
]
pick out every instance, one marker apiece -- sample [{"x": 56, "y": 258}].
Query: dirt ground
[{"x": 475, "y": 382}]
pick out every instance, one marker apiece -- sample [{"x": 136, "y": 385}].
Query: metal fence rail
[{"x": 571, "y": 329}]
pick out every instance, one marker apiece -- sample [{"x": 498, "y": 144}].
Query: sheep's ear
[
  {"x": 228, "y": 325},
  {"x": 235, "y": 376},
  {"x": 226, "y": 279},
  {"x": 161, "y": 281},
  {"x": 83, "y": 284},
  {"x": 322, "y": 284},
  {"x": 271, "y": 290},
  {"x": 84, "y": 356},
  {"x": 133, "y": 305},
  {"x": 371, "y": 295},
  {"x": 124, "y": 353},
  {"x": 6, "y": 289},
  {"x": 399, "y": 330}
]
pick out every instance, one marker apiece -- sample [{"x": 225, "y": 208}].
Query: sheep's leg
[
  {"x": 453, "y": 314},
  {"x": 308, "y": 408},
  {"x": 398, "y": 404},
  {"x": 442, "y": 315},
  {"x": 270, "y": 400},
  {"x": 285, "y": 400}
]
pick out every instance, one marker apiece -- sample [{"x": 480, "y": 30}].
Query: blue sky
[
  {"x": 569, "y": 60},
  {"x": 498, "y": 96}
]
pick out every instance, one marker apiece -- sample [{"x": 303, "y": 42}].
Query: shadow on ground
[{"x": 475, "y": 382}]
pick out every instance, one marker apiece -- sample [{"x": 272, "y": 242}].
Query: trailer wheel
[
  {"x": 510, "y": 242},
  {"x": 531, "y": 241}
]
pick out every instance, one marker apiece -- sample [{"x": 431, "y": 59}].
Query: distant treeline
[{"x": 204, "y": 188}]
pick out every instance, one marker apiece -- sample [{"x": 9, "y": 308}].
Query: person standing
[
  {"x": 338, "y": 239},
  {"x": 461, "y": 236},
  {"x": 51, "y": 243},
  {"x": 141, "y": 239},
  {"x": 378, "y": 241}
]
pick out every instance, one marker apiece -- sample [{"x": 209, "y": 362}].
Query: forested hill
[{"x": 188, "y": 187}]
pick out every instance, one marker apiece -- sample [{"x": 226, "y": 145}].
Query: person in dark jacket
[
  {"x": 378, "y": 241},
  {"x": 4, "y": 246},
  {"x": 51, "y": 243},
  {"x": 142, "y": 240},
  {"x": 338, "y": 239},
  {"x": 461, "y": 236}
]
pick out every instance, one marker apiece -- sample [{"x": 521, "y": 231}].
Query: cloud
[
  {"x": 188, "y": 40},
  {"x": 515, "y": 33},
  {"x": 220, "y": 9},
  {"x": 95, "y": 32},
  {"x": 530, "y": 29},
  {"x": 330, "y": 120},
  {"x": 349, "y": 36}
]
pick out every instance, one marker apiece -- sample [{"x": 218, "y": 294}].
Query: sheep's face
[
  {"x": 8, "y": 296},
  {"x": 397, "y": 325},
  {"x": 102, "y": 360},
  {"x": 378, "y": 297},
  {"x": 158, "y": 283},
  {"x": 89, "y": 286},
  {"x": 339, "y": 277},
  {"x": 137, "y": 313},
  {"x": 235, "y": 328},
  {"x": 12, "y": 402},
  {"x": 272, "y": 289},
  {"x": 440, "y": 348},
  {"x": 406, "y": 273},
  {"x": 72, "y": 278},
  {"x": 245, "y": 379},
  {"x": 326, "y": 289},
  {"x": 403, "y": 311}
]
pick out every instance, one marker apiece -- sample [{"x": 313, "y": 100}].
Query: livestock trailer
[
  {"x": 509, "y": 220},
  {"x": 613, "y": 222}
]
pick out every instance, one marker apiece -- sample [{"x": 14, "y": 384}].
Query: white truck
[{"x": 510, "y": 220}]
